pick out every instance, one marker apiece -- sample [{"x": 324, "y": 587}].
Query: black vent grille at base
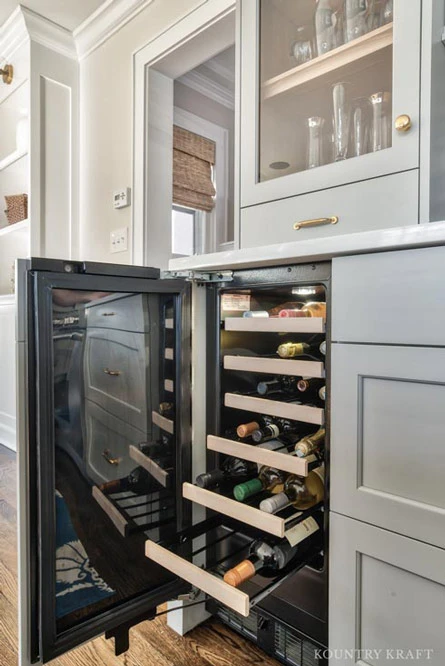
[
  {"x": 248, "y": 626},
  {"x": 294, "y": 650}
]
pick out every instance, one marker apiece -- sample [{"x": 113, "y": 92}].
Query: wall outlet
[
  {"x": 122, "y": 198},
  {"x": 119, "y": 240}
]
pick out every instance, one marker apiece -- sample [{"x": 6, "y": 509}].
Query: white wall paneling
[{"x": 8, "y": 382}]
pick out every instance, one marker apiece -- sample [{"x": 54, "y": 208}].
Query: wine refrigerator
[{"x": 173, "y": 443}]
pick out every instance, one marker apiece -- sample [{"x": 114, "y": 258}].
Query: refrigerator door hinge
[{"x": 198, "y": 276}]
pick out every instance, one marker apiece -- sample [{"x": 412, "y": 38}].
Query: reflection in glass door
[
  {"x": 326, "y": 82},
  {"x": 115, "y": 454}
]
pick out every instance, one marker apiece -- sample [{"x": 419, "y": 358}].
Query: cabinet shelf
[
  {"x": 14, "y": 228},
  {"x": 329, "y": 62},
  {"x": 284, "y": 410},
  {"x": 284, "y": 461},
  {"x": 11, "y": 158},
  {"x": 275, "y": 324}
]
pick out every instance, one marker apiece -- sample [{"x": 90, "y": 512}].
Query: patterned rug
[{"x": 77, "y": 583}]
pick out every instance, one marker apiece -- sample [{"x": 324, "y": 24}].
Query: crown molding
[
  {"x": 206, "y": 86},
  {"x": 24, "y": 24},
  {"x": 221, "y": 70},
  {"x": 13, "y": 34},
  {"x": 110, "y": 17}
]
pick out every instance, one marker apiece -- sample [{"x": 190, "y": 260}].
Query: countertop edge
[{"x": 320, "y": 249}]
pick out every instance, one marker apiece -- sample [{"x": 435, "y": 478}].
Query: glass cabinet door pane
[
  {"x": 114, "y": 446},
  {"x": 326, "y": 80}
]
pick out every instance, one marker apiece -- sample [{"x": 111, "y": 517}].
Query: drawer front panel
[
  {"x": 387, "y": 425},
  {"x": 390, "y": 298},
  {"x": 105, "y": 433},
  {"x": 358, "y": 208},
  {"x": 125, "y": 313},
  {"x": 387, "y": 593},
  {"x": 116, "y": 374}
]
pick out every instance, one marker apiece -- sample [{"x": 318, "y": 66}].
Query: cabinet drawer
[
  {"x": 125, "y": 313},
  {"x": 202, "y": 554},
  {"x": 105, "y": 432},
  {"x": 387, "y": 438},
  {"x": 372, "y": 204},
  {"x": 116, "y": 374},
  {"x": 386, "y": 593},
  {"x": 390, "y": 297}
]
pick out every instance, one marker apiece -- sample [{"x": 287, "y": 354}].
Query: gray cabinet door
[
  {"x": 390, "y": 297},
  {"x": 386, "y": 593},
  {"x": 387, "y": 438}
]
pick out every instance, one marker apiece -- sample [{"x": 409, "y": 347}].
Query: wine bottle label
[
  {"x": 235, "y": 302},
  {"x": 300, "y": 532}
]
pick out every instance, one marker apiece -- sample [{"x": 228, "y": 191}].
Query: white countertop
[{"x": 420, "y": 235}]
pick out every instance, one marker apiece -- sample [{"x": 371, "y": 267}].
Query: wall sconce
[{"x": 7, "y": 73}]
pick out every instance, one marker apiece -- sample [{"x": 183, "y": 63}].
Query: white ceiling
[{"x": 68, "y": 13}]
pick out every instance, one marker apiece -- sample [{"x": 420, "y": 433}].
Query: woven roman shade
[{"x": 193, "y": 158}]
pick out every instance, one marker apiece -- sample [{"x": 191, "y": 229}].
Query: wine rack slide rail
[
  {"x": 284, "y": 410},
  {"x": 163, "y": 423},
  {"x": 283, "y": 461},
  {"x": 276, "y": 324},
  {"x": 249, "y": 515},
  {"x": 147, "y": 463},
  {"x": 275, "y": 366},
  {"x": 206, "y": 582}
]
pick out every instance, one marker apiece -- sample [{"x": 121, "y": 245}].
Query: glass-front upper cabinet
[{"x": 330, "y": 93}]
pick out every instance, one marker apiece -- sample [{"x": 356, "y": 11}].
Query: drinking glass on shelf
[
  {"x": 341, "y": 120},
  {"x": 339, "y": 27},
  {"x": 301, "y": 48},
  {"x": 325, "y": 23},
  {"x": 388, "y": 11},
  {"x": 375, "y": 15},
  {"x": 356, "y": 12},
  {"x": 360, "y": 126},
  {"x": 381, "y": 120},
  {"x": 315, "y": 142}
]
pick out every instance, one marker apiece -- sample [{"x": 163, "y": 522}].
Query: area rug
[{"x": 77, "y": 583}]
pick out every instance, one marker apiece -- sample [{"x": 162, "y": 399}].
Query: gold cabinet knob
[{"x": 403, "y": 123}]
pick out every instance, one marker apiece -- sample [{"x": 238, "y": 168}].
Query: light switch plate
[
  {"x": 119, "y": 240},
  {"x": 122, "y": 198}
]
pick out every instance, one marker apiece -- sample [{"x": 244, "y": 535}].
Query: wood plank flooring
[{"x": 151, "y": 643}]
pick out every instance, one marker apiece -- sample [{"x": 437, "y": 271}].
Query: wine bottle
[
  {"x": 293, "y": 349},
  {"x": 268, "y": 479},
  {"x": 302, "y": 492},
  {"x": 310, "y": 443},
  {"x": 322, "y": 393},
  {"x": 313, "y": 309},
  {"x": 261, "y": 314},
  {"x": 322, "y": 348},
  {"x": 246, "y": 429},
  {"x": 309, "y": 385},
  {"x": 166, "y": 409},
  {"x": 272, "y": 556},
  {"x": 232, "y": 469},
  {"x": 277, "y": 385},
  {"x": 139, "y": 481}
]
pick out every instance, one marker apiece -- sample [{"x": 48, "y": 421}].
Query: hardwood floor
[{"x": 152, "y": 643}]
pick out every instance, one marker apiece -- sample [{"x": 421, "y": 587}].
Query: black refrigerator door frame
[{"x": 46, "y": 644}]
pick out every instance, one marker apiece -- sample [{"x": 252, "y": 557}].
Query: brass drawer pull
[
  {"x": 109, "y": 458},
  {"x": 112, "y": 373},
  {"x": 315, "y": 223},
  {"x": 108, "y": 314}
]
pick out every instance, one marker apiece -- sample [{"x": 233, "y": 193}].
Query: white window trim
[
  {"x": 201, "y": 34},
  {"x": 216, "y": 222}
]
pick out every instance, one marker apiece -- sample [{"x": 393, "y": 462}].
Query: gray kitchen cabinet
[
  {"x": 341, "y": 117},
  {"x": 390, "y": 298},
  {"x": 387, "y": 425},
  {"x": 386, "y": 597}
]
